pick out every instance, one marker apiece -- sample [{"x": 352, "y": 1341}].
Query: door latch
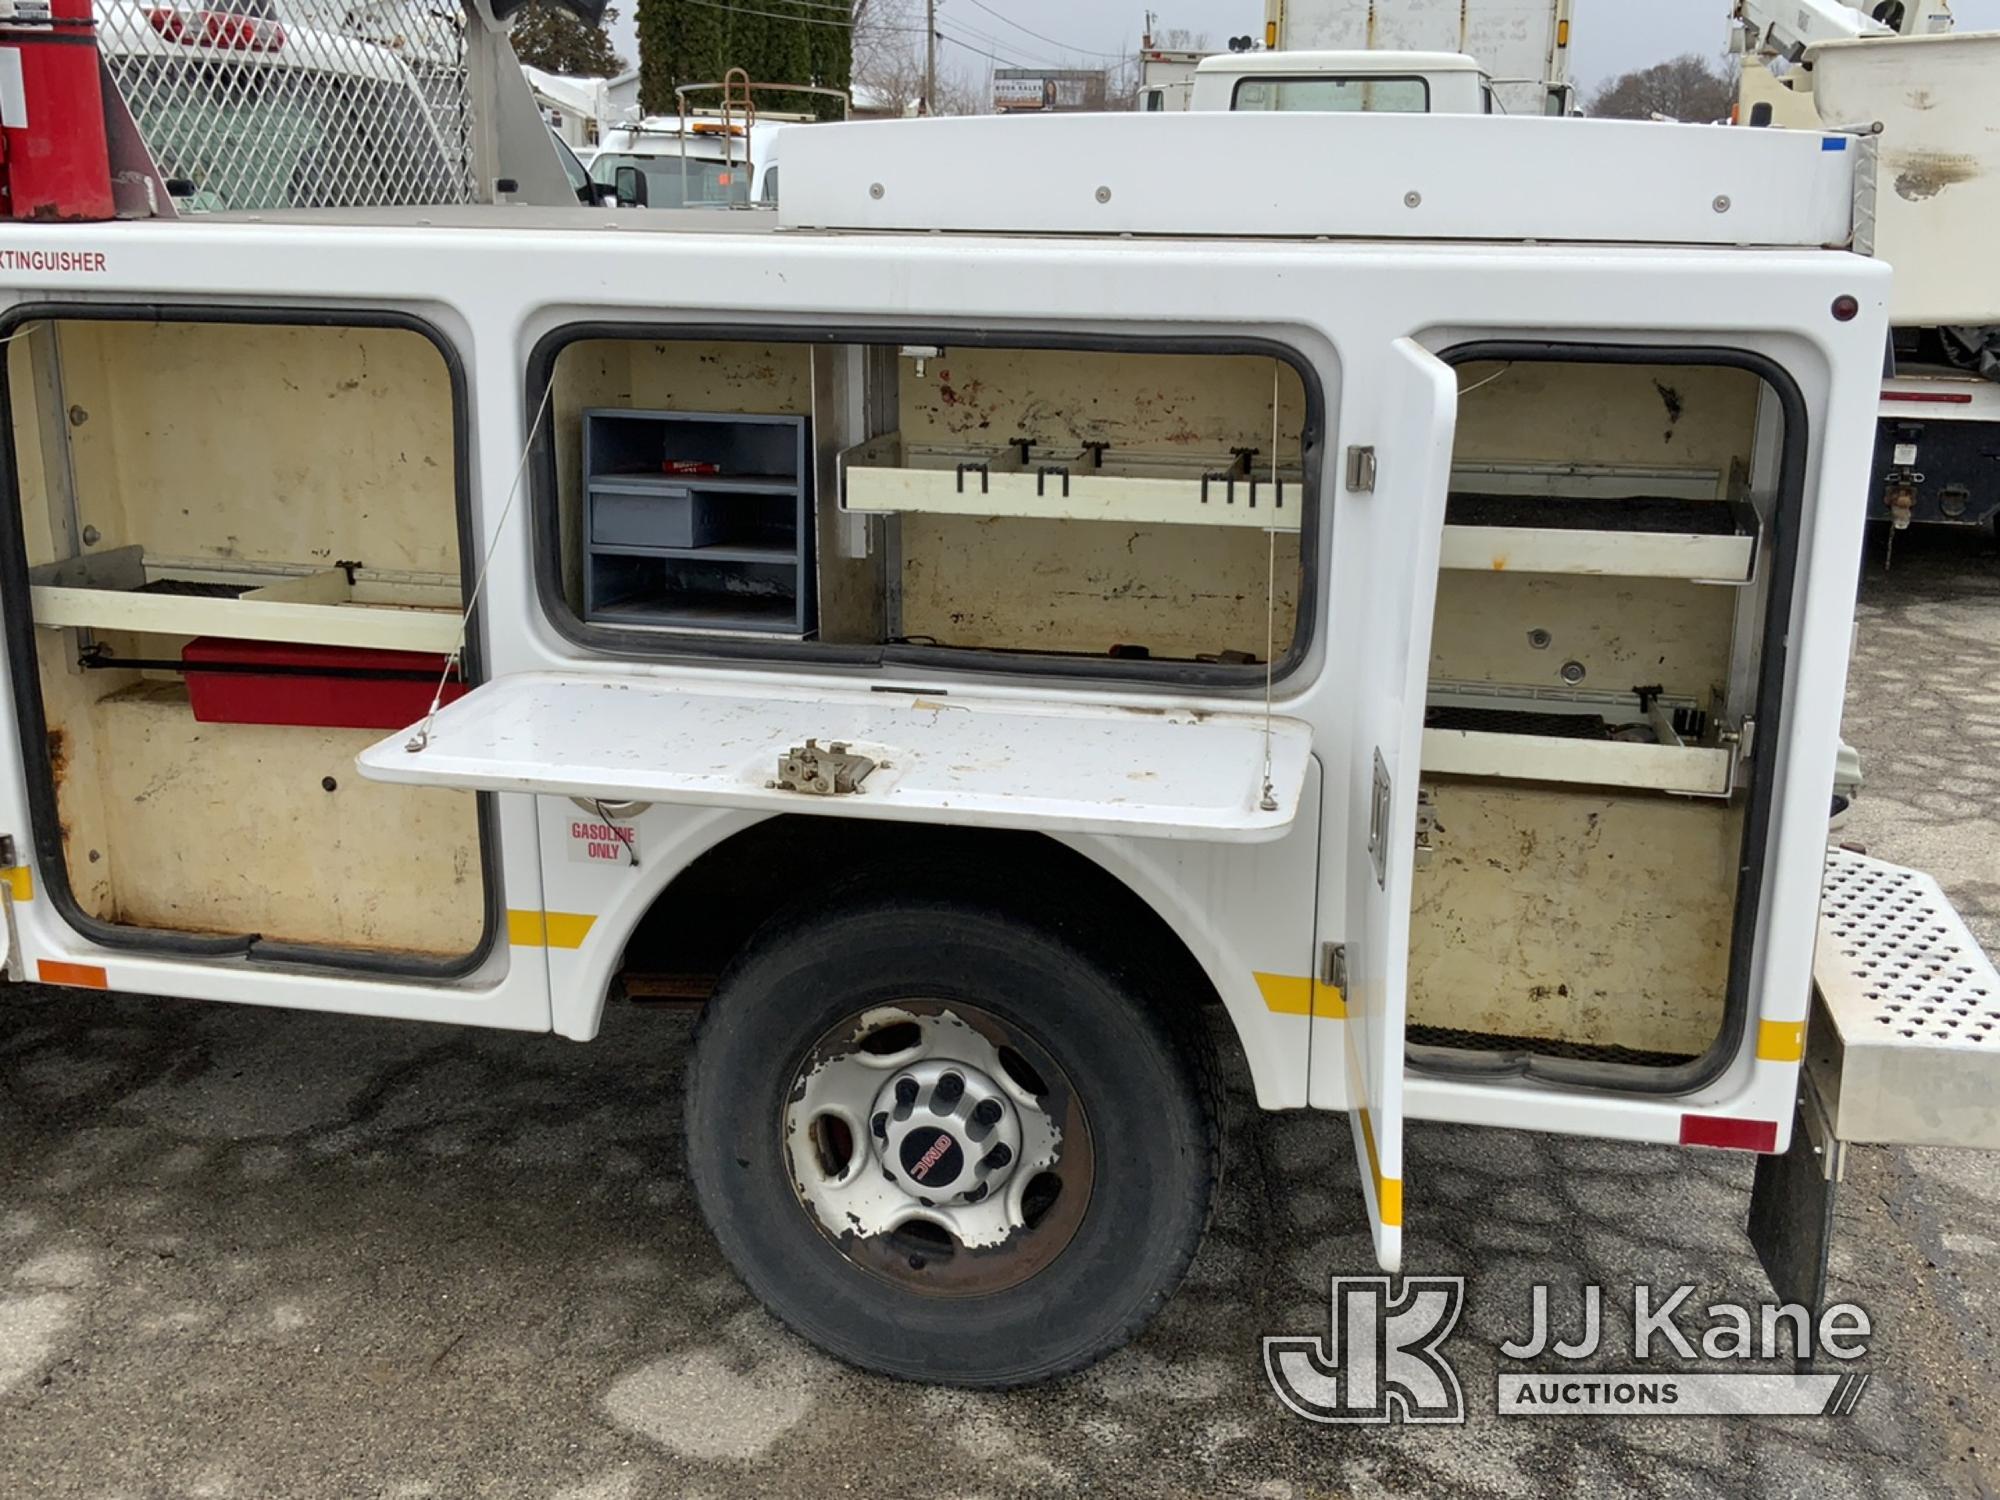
[
  {"x": 829, "y": 771},
  {"x": 1378, "y": 821},
  {"x": 1360, "y": 468}
]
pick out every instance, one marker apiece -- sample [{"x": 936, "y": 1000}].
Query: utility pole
[{"x": 930, "y": 57}]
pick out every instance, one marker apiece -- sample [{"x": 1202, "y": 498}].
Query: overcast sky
[{"x": 1609, "y": 37}]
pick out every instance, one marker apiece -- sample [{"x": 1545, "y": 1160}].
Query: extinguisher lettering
[{"x": 52, "y": 260}]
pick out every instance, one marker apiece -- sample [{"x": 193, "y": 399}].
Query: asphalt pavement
[{"x": 251, "y": 1253}]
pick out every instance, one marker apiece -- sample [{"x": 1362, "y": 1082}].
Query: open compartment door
[
  {"x": 1398, "y": 533},
  {"x": 1055, "y": 766}
]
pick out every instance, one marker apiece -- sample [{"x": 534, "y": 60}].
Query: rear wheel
[{"x": 943, "y": 1143}]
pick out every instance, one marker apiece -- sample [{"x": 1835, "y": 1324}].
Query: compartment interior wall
[
  {"x": 1585, "y": 917},
  {"x": 1083, "y": 586},
  {"x": 1008, "y": 583},
  {"x": 240, "y": 444},
  {"x": 1574, "y": 915}
]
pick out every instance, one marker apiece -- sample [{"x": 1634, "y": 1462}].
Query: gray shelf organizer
[{"x": 725, "y": 551}]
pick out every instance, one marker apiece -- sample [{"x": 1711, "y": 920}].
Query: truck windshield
[
  {"x": 706, "y": 181},
  {"x": 1386, "y": 96}
]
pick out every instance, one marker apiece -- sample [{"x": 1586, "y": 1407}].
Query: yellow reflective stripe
[
  {"x": 1781, "y": 1041},
  {"x": 1295, "y": 995},
  {"x": 1388, "y": 1190},
  {"x": 554, "y": 929},
  {"x": 21, "y": 880}
]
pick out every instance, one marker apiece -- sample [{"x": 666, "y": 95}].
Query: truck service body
[{"x": 965, "y": 628}]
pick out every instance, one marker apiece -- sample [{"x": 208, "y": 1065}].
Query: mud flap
[{"x": 1791, "y": 1212}]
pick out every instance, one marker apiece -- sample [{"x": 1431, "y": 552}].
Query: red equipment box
[{"x": 331, "y": 687}]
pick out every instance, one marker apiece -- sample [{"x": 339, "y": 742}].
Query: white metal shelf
[
  {"x": 1663, "y": 763},
  {"x": 1690, "y": 769},
  {"x": 1171, "y": 489},
  {"x": 1622, "y": 554},
  {"x": 324, "y": 607}
]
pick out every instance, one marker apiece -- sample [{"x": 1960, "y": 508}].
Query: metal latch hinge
[
  {"x": 1427, "y": 824},
  {"x": 830, "y": 771},
  {"x": 13, "y": 966},
  {"x": 1360, "y": 468},
  {"x": 1333, "y": 965},
  {"x": 1741, "y": 743}
]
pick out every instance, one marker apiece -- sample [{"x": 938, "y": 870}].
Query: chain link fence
[{"x": 259, "y": 104}]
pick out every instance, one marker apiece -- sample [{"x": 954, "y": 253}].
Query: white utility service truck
[
  {"x": 1927, "y": 95},
  {"x": 1402, "y": 56},
  {"x": 989, "y": 636}
]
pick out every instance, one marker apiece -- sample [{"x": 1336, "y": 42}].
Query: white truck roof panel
[
  {"x": 1307, "y": 64},
  {"x": 1369, "y": 176}
]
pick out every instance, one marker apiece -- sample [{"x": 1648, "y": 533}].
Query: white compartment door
[
  {"x": 1177, "y": 773},
  {"x": 1398, "y": 530}
]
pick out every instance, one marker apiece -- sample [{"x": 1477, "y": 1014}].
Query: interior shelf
[
  {"x": 123, "y": 589},
  {"x": 1073, "y": 484},
  {"x": 672, "y": 549},
  {"x": 1576, "y": 739},
  {"x": 1645, "y": 537},
  {"x": 721, "y": 484}
]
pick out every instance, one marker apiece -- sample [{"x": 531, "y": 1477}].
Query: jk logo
[{"x": 1380, "y": 1360}]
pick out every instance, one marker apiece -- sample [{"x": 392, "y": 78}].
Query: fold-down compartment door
[
  {"x": 1398, "y": 530},
  {"x": 992, "y": 762}
]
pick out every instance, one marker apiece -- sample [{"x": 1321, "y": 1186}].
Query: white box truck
[
  {"x": 1924, "y": 96},
  {"x": 1450, "y": 56},
  {"x": 994, "y": 639}
]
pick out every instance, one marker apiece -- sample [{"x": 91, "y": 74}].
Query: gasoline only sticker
[{"x": 595, "y": 843}]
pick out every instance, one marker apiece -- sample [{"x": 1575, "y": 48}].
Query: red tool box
[{"x": 332, "y": 687}]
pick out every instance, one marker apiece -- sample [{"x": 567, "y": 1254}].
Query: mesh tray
[
  {"x": 1518, "y": 721},
  {"x": 1642, "y": 513},
  {"x": 1481, "y": 1041}
]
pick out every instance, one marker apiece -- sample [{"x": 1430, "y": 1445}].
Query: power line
[
  {"x": 1005, "y": 62},
  {"x": 1065, "y": 46},
  {"x": 776, "y": 15}
]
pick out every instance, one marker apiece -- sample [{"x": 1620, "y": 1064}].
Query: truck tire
[{"x": 944, "y": 1143}]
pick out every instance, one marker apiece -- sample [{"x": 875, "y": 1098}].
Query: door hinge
[
  {"x": 832, "y": 771},
  {"x": 1333, "y": 965},
  {"x": 1360, "y": 468}
]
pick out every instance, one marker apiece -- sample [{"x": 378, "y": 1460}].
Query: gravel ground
[{"x": 255, "y": 1253}]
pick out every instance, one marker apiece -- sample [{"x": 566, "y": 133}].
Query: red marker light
[
  {"x": 1845, "y": 309},
  {"x": 1940, "y": 398}
]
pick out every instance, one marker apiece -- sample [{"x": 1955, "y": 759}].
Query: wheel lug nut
[
  {"x": 997, "y": 1158},
  {"x": 906, "y": 1092},
  {"x": 974, "y": 1194},
  {"x": 950, "y": 1089},
  {"x": 986, "y": 1113},
  {"x": 880, "y": 1125}
]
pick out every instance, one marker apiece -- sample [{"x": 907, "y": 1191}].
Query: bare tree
[
  {"x": 1687, "y": 87},
  {"x": 889, "y": 63}
]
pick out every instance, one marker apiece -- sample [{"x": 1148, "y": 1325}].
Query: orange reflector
[
  {"x": 79, "y": 976},
  {"x": 1271, "y": 34},
  {"x": 1562, "y": 33},
  {"x": 722, "y": 179}
]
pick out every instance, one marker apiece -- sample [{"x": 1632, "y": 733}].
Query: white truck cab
[
  {"x": 1442, "y": 83},
  {"x": 992, "y": 638}
]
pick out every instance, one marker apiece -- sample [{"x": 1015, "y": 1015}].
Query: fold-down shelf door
[{"x": 990, "y": 762}]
